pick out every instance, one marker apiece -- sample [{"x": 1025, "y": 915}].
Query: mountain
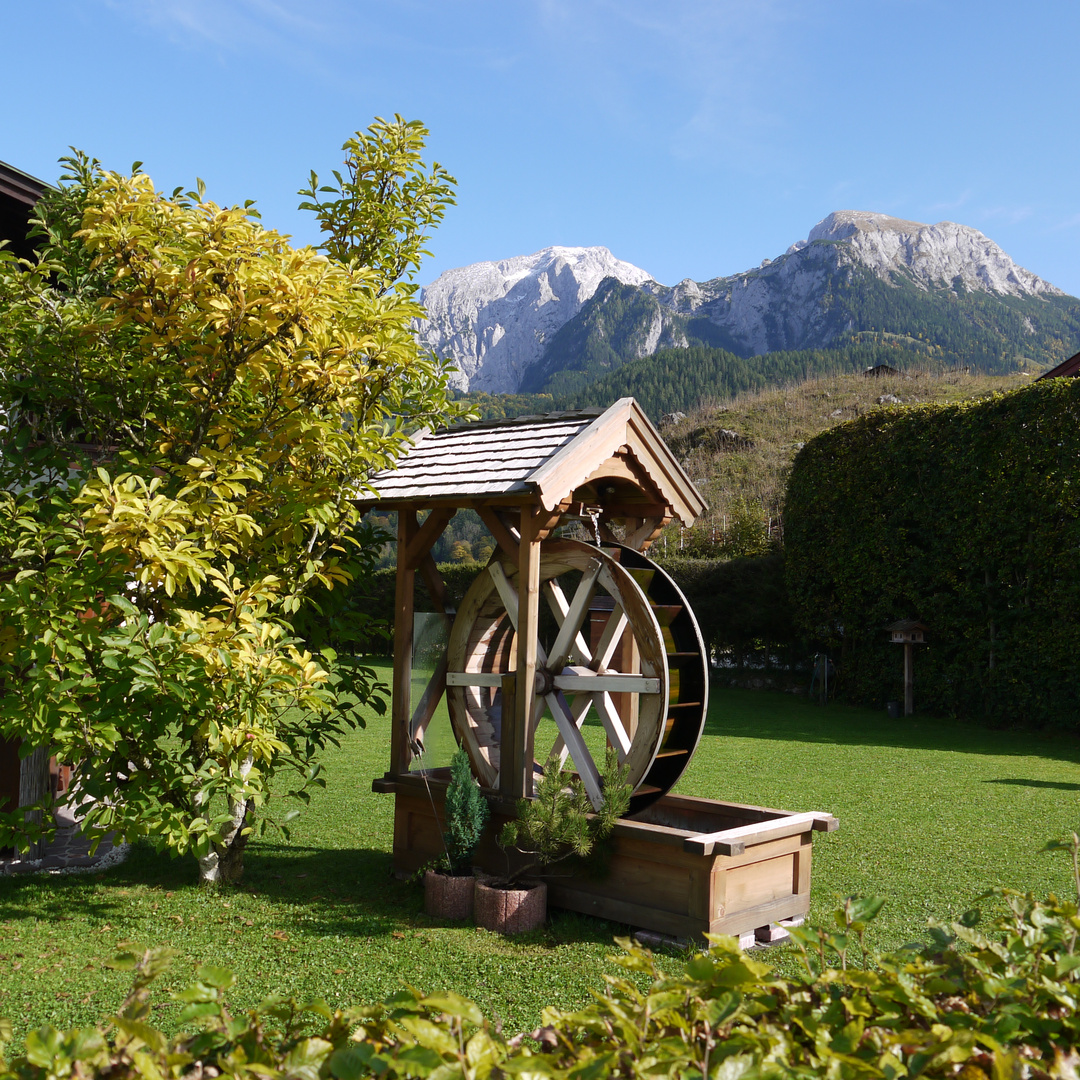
[
  {"x": 557, "y": 322},
  {"x": 493, "y": 319}
]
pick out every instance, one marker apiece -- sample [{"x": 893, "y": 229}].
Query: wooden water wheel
[
  {"x": 560, "y": 649},
  {"x": 641, "y": 673}
]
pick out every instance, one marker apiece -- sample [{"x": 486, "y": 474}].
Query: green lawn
[{"x": 932, "y": 813}]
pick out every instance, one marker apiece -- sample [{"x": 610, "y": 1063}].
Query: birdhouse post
[{"x": 909, "y": 633}]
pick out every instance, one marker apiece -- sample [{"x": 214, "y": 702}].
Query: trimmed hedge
[
  {"x": 742, "y": 607},
  {"x": 972, "y": 1005},
  {"x": 966, "y": 517}
]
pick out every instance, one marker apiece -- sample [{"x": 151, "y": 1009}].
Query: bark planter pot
[
  {"x": 447, "y": 896},
  {"x": 510, "y": 911}
]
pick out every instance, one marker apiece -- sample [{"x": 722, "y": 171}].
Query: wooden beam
[
  {"x": 425, "y": 537},
  {"x": 504, "y": 535},
  {"x": 734, "y": 841},
  {"x": 404, "y": 598},
  {"x": 644, "y": 531},
  {"x": 548, "y": 521},
  {"x": 516, "y": 757},
  {"x": 434, "y": 581}
]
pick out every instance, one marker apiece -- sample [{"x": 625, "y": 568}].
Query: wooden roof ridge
[
  {"x": 532, "y": 418},
  {"x": 623, "y": 424}
]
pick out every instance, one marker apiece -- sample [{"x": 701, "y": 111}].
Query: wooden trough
[{"x": 623, "y": 653}]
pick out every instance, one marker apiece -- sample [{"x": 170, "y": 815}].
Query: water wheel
[{"x": 626, "y": 650}]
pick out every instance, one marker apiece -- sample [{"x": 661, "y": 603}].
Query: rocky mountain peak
[
  {"x": 493, "y": 319},
  {"x": 933, "y": 255}
]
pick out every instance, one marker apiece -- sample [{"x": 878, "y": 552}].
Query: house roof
[
  {"x": 1066, "y": 367},
  {"x": 19, "y": 192},
  {"x": 537, "y": 459}
]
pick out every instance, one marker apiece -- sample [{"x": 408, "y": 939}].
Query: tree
[{"x": 190, "y": 405}]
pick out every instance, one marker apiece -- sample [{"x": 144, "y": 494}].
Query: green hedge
[
  {"x": 973, "y": 1004},
  {"x": 742, "y": 608},
  {"x": 966, "y": 517}
]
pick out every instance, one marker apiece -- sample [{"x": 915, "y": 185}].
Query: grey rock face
[
  {"x": 934, "y": 254},
  {"x": 492, "y": 319}
]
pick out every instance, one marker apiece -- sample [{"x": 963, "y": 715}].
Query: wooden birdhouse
[
  {"x": 623, "y": 666},
  {"x": 907, "y": 632}
]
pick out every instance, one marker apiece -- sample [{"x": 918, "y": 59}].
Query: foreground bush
[{"x": 973, "y": 1004}]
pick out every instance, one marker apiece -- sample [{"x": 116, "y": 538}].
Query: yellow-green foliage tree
[{"x": 189, "y": 405}]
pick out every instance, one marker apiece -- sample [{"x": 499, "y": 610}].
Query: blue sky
[{"x": 691, "y": 137}]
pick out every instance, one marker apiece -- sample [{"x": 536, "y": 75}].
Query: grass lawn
[{"x": 932, "y": 813}]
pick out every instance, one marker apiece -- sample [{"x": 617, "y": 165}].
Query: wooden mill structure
[{"x": 624, "y": 666}]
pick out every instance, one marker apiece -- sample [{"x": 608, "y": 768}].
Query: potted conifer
[
  {"x": 448, "y": 888},
  {"x": 556, "y": 825}
]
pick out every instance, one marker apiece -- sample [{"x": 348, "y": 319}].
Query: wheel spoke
[
  {"x": 610, "y": 638},
  {"x": 506, "y": 592},
  {"x": 573, "y": 617},
  {"x": 571, "y": 735},
  {"x": 612, "y": 722},
  {"x": 579, "y": 681}
]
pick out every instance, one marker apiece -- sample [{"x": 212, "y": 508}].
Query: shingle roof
[
  {"x": 538, "y": 459},
  {"x": 484, "y": 459}
]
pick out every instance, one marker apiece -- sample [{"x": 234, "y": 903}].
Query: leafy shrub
[
  {"x": 742, "y": 606},
  {"x": 974, "y": 1004}
]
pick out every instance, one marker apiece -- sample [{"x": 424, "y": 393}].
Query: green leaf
[
  {"x": 454, "y": 1005},
  {"x": 220, "y": 978}
]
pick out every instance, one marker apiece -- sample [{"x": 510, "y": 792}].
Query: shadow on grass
[
  {"x": 1036, "y": 783},
  {"x": 303, "y": 891},
  {"x": 765, "y": 714}
]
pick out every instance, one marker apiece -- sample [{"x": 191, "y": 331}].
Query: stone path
[{"x": 69, "y": 852}]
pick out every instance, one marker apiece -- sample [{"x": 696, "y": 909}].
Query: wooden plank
[
  {"x": 740, "y": 922},
  {"x": 759, "y": 883},
  {"x": 404, "y": 596},
  {"x": 585, "y": 681},
  {"x": 734, "y": 841}
]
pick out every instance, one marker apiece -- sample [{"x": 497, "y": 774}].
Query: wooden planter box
[{"x": 687, "y": 866}]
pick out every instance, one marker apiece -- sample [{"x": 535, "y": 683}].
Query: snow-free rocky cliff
[{"x": 492, "y": 320}]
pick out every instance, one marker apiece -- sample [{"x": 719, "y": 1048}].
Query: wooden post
[
  {"x": 404, "y": 597},
  {"x": 909, "y": 678},
  {"x": 516, "y": 758}
]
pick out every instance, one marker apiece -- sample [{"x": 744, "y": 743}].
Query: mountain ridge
[{"x": 518, "y": 324}]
